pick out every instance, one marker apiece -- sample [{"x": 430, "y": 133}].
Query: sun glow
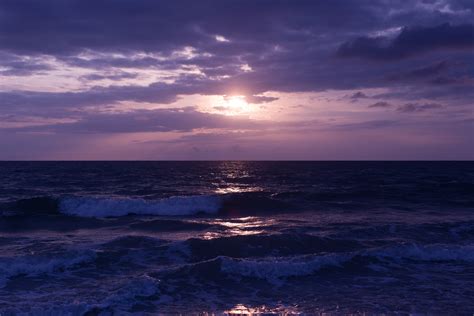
[{"x": 236, "y": 104}]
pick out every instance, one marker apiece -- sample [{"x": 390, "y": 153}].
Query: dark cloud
[
  {"x": 358, "y": 95},
  {"x": 422, "y": 72},
  {"x": 33, "y": 102},
  {"x": 289, "y": 46},
  {"x": 73, "y": 25},
  {"x": 21, "y": 66},
  {"x": 381, "y": 104},
  {"x": 256, "y": 99},
  {"x": 411, "y": 41},
  {"x": 375, "y": 124},
  {"x": 110, "y": 76},
  {"x": 100, "y": 62},
  {"x": 413, "y": 107},
  {"x": 450, "y": 80},
  {"x": 159, "y": 120},
  {"x": 408, "y": 107}
]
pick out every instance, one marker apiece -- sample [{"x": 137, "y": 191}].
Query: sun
[
  {"x": 233, "y": 105},
  {"x": 236, "y": 104}
]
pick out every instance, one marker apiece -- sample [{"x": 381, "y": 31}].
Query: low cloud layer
[{"x": 140, "y": 121}]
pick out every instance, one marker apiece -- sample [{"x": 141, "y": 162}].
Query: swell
[
  {"x": 276, "y": 269},
  {"x": 147, "y": 250},
  {"x": 173, "y": 206},
  {"x": 31, "y": 265},
  {"x": 99, "y": 207},
  {"x": 265, "y": 245},
  {"x": 273, "y": 258},
  {"x": 229, "y": 204}
]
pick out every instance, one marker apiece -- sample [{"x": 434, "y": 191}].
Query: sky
[{"x": 253, "y": 80}]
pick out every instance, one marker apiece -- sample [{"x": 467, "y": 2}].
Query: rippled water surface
[{"x": 102, "y": 238}]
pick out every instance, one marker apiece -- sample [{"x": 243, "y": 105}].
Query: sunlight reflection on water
[
  {"x": 240, "y": 226},
  {"x": 234, "y": 177},
  {"x": 240, "y": 309},
  {"x": 237, "y": 189}
]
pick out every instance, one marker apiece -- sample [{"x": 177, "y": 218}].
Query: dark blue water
[{"x": 115, "y": 238}]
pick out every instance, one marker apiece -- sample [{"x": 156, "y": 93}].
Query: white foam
[{"x": 107, "y": 207}]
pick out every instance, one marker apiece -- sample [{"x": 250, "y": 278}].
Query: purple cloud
[
  {"x": 411, "y": 41},
  {"x": 413, "y": 107},
  {"x": 93, "y": 67},
  {"x": 380, "y": 104}
]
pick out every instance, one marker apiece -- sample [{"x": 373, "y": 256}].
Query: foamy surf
[
  {"x": 113, "y": 207},
  {"x": 343, "y": 238}
]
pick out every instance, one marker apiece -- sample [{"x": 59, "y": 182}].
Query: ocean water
[{"x": 118, "y": 238}]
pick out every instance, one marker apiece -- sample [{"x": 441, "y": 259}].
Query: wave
[
  {"x": 273, "y": 269},
  {"x": 226, "y": 204},
  {"x": 116, "y": 298},
  {"x": 276, "y": 269},
  {"x": 436, "y": 252},
  {"x": 169, "y": 225},
  {"x": 123, "y": 298},
  {"x": 229, "y": 204},
  {"x": 445, "y": 232},
  {"x": 107, "y": 207},
  {"x": 100, "y": 207},
  {"x": 34, "y": 205},
  {"x": 266, "y": 245},
  {"x": 40, "y": 264},
  {"x": 133, "y": 242},
  {"x": 145, "y": 250}
]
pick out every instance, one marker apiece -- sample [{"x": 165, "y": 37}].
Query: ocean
[{"x": 226, "y": 238}]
